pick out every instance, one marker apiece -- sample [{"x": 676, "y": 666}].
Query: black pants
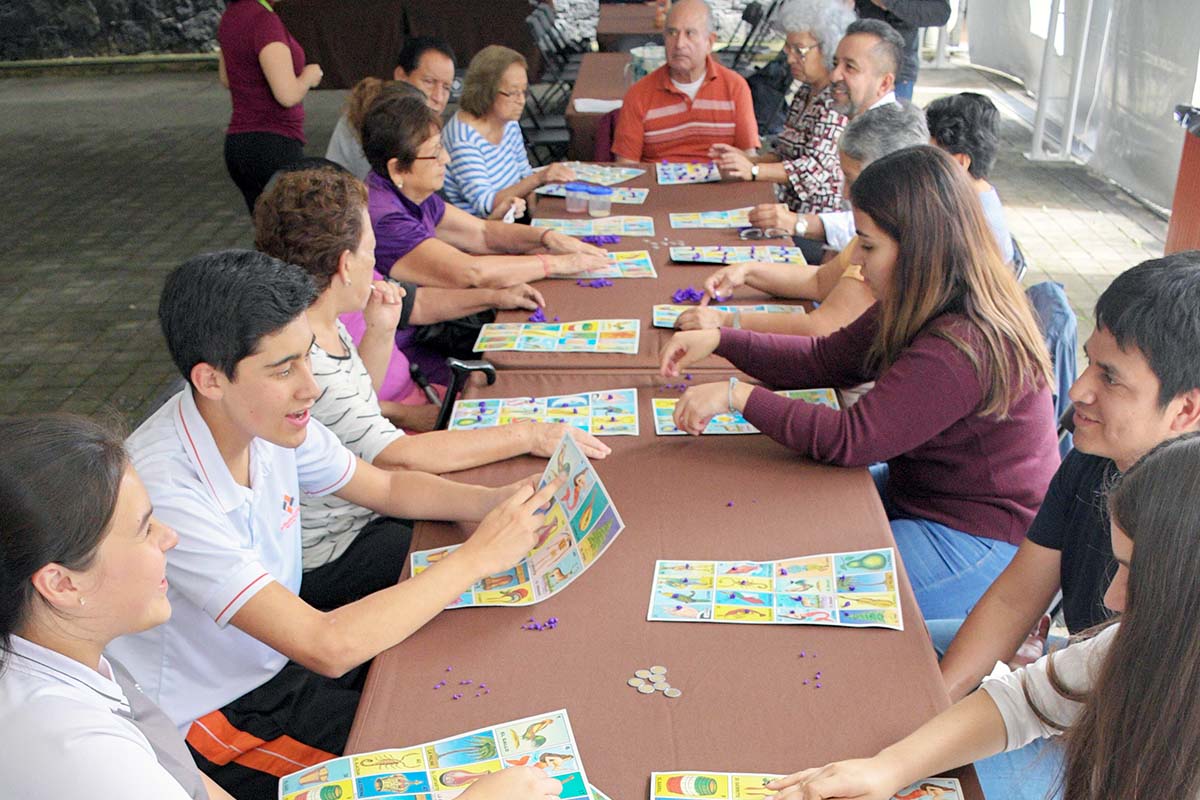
[
  {"x": 300, "y": 718},
  {"x": 252, "y": 158},
  {"x": 372, "y": 562}
]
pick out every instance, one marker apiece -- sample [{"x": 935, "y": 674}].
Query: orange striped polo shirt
[{"x": 658, "y": 122}]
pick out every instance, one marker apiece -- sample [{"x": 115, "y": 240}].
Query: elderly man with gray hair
[
  {"x": 805, "y": 162},
  {"x": 837, "y": 284},
  {"x": 691, "y": 103}
]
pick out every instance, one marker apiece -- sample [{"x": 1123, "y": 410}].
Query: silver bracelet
[
  {"x": 736, "y": 313},
  {"x": 732, "y": 382}
]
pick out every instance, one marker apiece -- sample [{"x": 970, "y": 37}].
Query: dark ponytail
[{"x": 59, "y": 479}]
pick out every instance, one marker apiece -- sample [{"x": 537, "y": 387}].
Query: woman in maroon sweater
[{"x": 960, "y": 413}]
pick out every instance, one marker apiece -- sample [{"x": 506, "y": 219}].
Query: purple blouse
[{"x": 399, "y": 223}]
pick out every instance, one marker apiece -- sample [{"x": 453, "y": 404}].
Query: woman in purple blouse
[
  {"x": 805, "y": 162},
  {"x": 960, "y": 416}
]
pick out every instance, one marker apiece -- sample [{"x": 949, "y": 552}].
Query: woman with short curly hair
[
  {"x": 489, "y": 169},
  {"x": 805, "y": 164}
]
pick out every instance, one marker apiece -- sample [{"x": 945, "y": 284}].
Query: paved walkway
[{"x": 110, "y": 182}]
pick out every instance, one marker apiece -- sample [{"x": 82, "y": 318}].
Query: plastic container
[
  {"x": 599, "y": 201},
  {"x": 577, "y": 197}
]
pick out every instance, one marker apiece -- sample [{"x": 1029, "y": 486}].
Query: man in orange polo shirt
[{"x": 680, "y": 110}]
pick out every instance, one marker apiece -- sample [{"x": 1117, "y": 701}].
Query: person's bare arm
[
  {"x": 1002, "y": 618},
  {"x": 287, "y": 87},
  {"x": 222, "y": 73},
  {"x": 215, "y": 792},
  {"x": 443, "y": 262},
  {"x": 433, "y": 304},
  {"x": 449, "y": 451},
  {"x": 333, "y": 642}
]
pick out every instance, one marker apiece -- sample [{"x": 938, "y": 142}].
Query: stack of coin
[{"x": 649, "y": 681}]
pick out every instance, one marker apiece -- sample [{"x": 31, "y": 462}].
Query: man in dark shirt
[
  {"x": 907, "y": 17},
  {"x": 1141, "y": 387}
]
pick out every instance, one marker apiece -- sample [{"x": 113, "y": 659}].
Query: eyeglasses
[
  {"x": 799, "y": 52},
  {"x": 761, "y": 233},
  {"x": 436, "y": 154},
  {"x": 521, "y": 93}
]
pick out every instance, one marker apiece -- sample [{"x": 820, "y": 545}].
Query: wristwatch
[
  {"x": 754, "y": 172},
  {"x": 801, "y": 226}
]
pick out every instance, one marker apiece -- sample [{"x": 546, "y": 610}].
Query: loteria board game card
[
  {"x": 584, "y": 336},
  {"x": 664, "y": 316},
  {"x": 734, "y": 218},
  {"x": 745, "y": 786},
  {"x": 855, "y": 589},
  {"x": 446, "y": 768},
  {"x": 607, "y": 413},
  {"x": 602, "y": 226},
  {"x": 624, "y": 196},
  {"x": 621, "y": 264},
  {"x": 670, "y": 174},
  {"x": 731, "y": 423},
  {"x": 579, "y": 525},
  {"x": 733, "y": 254}
]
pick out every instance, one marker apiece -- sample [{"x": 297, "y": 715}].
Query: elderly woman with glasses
[
  {"x": 489, "y": 170},
  {"x": 804, "y": 163}
]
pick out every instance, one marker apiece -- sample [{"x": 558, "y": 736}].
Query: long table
[
  {"x": 625, "y": 25},
  {"x": 744, "y": 705},
  {"x": 634, "y": 297},
  {"x": 601, "y": 77}
]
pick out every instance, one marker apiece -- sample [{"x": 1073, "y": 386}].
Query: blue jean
[
  {"x": 949, "y": 569},
  {"x": 1025, "y": 774}
]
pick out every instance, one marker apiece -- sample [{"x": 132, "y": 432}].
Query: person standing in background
[
  {"x": 262, "y": 66},
  {"x": 907, "y": 17}
]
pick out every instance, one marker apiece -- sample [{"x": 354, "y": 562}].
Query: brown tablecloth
[
  {"x": 744, "y": 706},
  {"x": 634, "y": 297},
  {"x": 626, "y": 25},
  {"x": 601, "y": 77},
  {"x": 352, "y": 39}
]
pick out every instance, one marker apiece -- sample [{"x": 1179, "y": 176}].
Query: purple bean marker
[{"x": 729, "y": 504}]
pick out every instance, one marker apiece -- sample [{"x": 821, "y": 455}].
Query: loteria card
[
  {"x": 599, "y": 795},
  {"x": 695, "y": 172},
  {"x": 602, "y": 226},
  {"x": 733, "y": 218},
  {"x": 578, "y": 526},
  {"x": 584, "y": 336},
  {"x": 446, "y": 768},
  {"x": 621, "y": 264},
  {"x": 743, "y": 786},
  {"x": 665, "y": 315},
  {"x": 609, "y": 413},
  {"x": 720, "y": 254},
  {"x": 603, "y": 174},
  {"x": 626, "y": 196},
  {"x": 856, "y": 590},
  {"x": 730, "y": 423}
]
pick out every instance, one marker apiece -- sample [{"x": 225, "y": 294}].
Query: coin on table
[
  {"x": 672, "y": 693},
  {"x": 658, "y": 670},
  {"x": 636, "y": 682},
  {"x": 642, "y": 673},
  {"x": 644, "y": 689},
  {"x": 661, "y": 687}
]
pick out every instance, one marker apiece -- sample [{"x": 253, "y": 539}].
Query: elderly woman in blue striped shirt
[{"x": 489, "y": 170}]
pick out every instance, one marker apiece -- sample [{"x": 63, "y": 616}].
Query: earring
[
  {"x": 347, "y": 281},
  {"x": 81, "y": 603}
]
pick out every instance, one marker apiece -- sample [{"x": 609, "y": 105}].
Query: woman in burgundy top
[
  {"x": 262, "y": 66},
  {"x": 960, "y": 413}
]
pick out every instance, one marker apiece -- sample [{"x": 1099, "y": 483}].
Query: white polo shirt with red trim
[{"x": 233, "y": 541}]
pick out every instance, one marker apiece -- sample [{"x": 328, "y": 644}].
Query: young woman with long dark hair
[{"x": 960, "y": 418}]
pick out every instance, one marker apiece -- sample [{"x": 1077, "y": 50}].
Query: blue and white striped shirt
[{"x": 479, "y": 169}]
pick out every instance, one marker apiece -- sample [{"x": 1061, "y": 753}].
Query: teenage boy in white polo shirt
[{"x": 224, "y": 462}]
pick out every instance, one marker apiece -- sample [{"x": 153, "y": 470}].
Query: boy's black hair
[
  {"x": 216, "y": 308},
  {"x": 1155, "y": 307}
]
